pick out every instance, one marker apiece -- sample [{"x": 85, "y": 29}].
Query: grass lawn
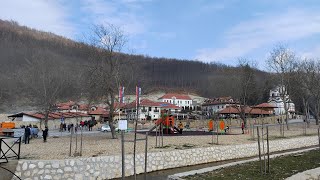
[{"x": 280, "y": 168}]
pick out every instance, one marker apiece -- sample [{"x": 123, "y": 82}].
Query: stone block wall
[{"x": 107, "y": 167}]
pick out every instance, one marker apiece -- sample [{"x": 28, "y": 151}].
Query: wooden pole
[
  {"x": 146, "y": 157},
  {"x": 258, "y": 135},
  {"x": 81, "y": 141},
  {"x": 268, "y": 152},
  {"x": 123, "y": 156},
  {"x": 70, "y": 142}
]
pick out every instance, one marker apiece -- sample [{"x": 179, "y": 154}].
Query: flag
[
  {"x": 121, "y": 94},
  {"x": 138, "y": 93},
  {"x": 122, "y": 100}
]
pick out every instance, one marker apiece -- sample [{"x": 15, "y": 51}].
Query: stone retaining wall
[{"x": 107, "y": 167}]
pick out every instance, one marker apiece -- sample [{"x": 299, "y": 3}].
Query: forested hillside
[{"x": 21, "y": 45}]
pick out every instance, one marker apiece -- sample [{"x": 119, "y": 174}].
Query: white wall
[
  {"x": 29, "y": 119},
  {"x": 179, "y": 102}
]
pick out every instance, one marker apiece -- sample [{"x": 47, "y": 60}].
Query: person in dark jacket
[
  {"x": 45, "y": 134},
  {"x": 27, "y": 133}
]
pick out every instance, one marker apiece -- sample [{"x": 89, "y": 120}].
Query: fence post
[
  {"x": 319, "y": 136},
  {"x": 157, "y": 136},
  {"x": 258, "y": 135},
  {"x": 268, "y": 149},
  {"x": 70, "y": 141},
  {"x": 122, "y": 155},
  {"x": 146, "y": 157},
  {"x": 0, "y": 148},
  {"x": 19, "y": 147}
]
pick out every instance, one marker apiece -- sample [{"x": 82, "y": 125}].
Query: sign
[
  {"x": 18, "y": 132},
  {"x": 221, "y": 125},
  {"x": 123, "y": 125}
]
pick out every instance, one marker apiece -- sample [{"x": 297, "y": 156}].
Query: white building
[
  {"x": 211, "y": 106},
  {"x": 181, "y": 100},
  {"x": 149, "y": 110},
  {"x": 276, "y": 99}
]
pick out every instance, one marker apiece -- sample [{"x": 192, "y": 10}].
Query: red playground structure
[{"x": 166, "y": 123}]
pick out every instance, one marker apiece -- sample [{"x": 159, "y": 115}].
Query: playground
[{"x": 102, "y": 144}]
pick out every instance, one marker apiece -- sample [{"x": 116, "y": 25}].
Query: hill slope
[{"x": 18, "y": 44}]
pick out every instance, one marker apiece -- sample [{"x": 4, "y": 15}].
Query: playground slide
[{"x": 157, "y": 123}]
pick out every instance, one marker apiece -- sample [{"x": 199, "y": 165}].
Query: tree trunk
[
  {"x": 46, "y": 118},
  {"x": 111, "y": 122}
]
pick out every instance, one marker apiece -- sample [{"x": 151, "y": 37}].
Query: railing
[{"x": 4, "y": 153}]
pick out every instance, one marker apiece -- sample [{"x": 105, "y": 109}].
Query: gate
[{"x": 7, "y": 149}]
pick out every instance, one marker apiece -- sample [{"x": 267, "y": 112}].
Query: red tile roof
[
  {"x": 99, "y": 111},
  {"x": 265, "y": 105},
  {"x": 248, "y": 110},
  {"x": 220, "y": 100},
  {"x": 143, "y": 103},
  {"x": 57, "y": 115},
  {"x": 166, "y": 105},
  {"x": 177, "y": 96}
]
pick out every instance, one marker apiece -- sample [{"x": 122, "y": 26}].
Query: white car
[{"x": 106, "y": 128}]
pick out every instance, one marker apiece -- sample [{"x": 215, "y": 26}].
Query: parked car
[{"x": 106, "y": 128}]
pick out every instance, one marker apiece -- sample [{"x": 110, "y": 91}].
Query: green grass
[{"x": 280, "y": 168}]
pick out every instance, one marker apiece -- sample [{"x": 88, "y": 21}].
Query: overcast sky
[{"x": 205, "y": 30}]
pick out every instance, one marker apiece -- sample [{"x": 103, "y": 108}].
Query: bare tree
[
  {"x": 246, "y": 91},
  {"x": 282, "y": 62},
  {"x": 310, "y": 82},
  {"x": 108, "y": 71},
  {"x": 45, "y": 81}
]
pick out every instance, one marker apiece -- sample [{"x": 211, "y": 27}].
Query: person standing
[
  {"x": 242, "y": 127},
  {"x": 180, "y": 126},
  {"x": 27, "y": 133},
  {"x": 45, "y": 134}
]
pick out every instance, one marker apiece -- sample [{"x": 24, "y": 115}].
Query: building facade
[
  {"x": 212, "y": 106},
  {"x": 278, "y": 97},
  {"x": 181, "y": 100}
]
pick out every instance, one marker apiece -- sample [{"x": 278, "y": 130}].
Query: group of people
[
  {"x": 32, "y": 132},
  {"x": 86, "y": 125}
]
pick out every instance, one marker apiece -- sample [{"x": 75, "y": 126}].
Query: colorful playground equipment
[{"x": 166, "y": 125}]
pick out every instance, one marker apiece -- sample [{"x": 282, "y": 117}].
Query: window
[{"x": 149, "y": 108}]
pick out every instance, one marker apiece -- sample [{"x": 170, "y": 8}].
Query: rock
[
  {"x": 55, "y": 165},
  {"x": 57, "y": 177},
  {"x": 18, "y": 167},
  {"x": 40, "y": 165},
  {"x": 41, "y": 171},
  {"x": 96, "y": 173},
  {"x": 24, "y": 166},
  {"x": 78, "y": 177},
  {"x": 71, "y": 163},
  {"x": 35, "y": 171},
  {"x": 67, "y": 169},
  {"x": 31, "y": 166},
  {"x": 48, "y": 166},
  {"x": 48, "y": 177},
  {"x": 27, "y": 173},
  {"x": 60, "y": 171}
]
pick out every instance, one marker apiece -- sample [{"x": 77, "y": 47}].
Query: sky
[{"x": 204, "y": 30}]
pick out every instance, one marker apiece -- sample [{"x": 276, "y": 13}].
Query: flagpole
[{"x": 135, "y": 133}]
